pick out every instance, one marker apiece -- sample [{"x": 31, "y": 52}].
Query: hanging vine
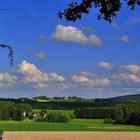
[{"x": 10, "y": 55}]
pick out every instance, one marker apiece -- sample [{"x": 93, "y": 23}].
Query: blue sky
[{"x": 89, "y": 58}]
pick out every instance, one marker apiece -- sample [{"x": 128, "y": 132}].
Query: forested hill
[
  {"x": 71, "y": 103},
  {"x": 127, "y": 98}
]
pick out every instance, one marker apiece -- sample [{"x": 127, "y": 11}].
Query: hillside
[{"x": 127, "y": 98}]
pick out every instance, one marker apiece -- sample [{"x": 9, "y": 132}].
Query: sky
[{"x": 89, "y": 58}]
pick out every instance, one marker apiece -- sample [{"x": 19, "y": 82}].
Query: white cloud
[
  {"x": 123, "y": 77},
  {"x": 84, "y": 73},
  {"x": 80, "y": 78},
  {"x": 132, "y": 68},
  {"x": 75, "y": 35},
  {"x": 40, "y": 85},
  {"x": 125, "y": 39},
  {"x": 40, "y": 55},
  {"x": 32, "y": 75},
  {"x": 56, "y": 77},
  {"x": 7, "y": 80},
  {"x": 99, "y": 82},
  {"x": 105, "y": 65}
]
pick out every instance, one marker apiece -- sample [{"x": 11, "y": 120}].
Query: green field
[
  {"x": 67, "y": 112},
  {"x": 74, "y": 125}
]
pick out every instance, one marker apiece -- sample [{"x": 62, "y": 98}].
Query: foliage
[
  {"x": 11, "y": 113},
  {"x": 96, "y": 113},
  {"x": 107, "y": 9},
  {"x": 52, "y": 117},
  {"x": 108, "y": 121},
  {"x": 10, "y": 56},
  {"x": 134, "y": 118},
  {"x": 26, "y": 107}
]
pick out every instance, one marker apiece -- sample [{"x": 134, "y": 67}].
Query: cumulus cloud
[
  {"x": 131, "y": 68},
  {"x": 80, "y": 78},
  {"x": 123, "y": 77},
  {"x": 40, "y": 85},
  {"x": 31, "y": 74},
  {"x": 99, "y": 82},
  {"x": 56, "y": 77},
  {"x": 89, "y": 74},
  {"x": 75, "y": 35},
  {"x": 105, "y": 65},
  {"x": 7, "y": 80}
]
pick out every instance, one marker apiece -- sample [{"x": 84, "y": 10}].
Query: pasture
[{"x": 73, "y": 125}]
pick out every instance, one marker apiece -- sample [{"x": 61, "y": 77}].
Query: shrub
[
  {"x": 57, "y": 117},
  {"x": 53, "y": 117},
  {"x": 108, "y": 121},
  {"x": 39, "y": 119},
  {"x": 72, "y": 116}
]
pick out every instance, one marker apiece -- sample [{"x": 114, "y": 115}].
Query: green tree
[
  {"x": 107, "y": 9},
  {"x": 18, "y": 114}
]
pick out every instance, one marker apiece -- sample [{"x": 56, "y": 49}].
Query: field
[
  {"x": 63, "y": 111},
  {"x": 74, "y": 125},
  {"x": 71, "y": 136}
]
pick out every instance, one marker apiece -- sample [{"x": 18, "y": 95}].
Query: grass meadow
[{"x": 73, "y": 125}]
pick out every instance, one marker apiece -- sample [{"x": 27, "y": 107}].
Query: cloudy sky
[{"x": 53, "y": 57}]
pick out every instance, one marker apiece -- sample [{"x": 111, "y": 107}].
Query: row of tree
[
  {"x": 11, "y": 111},
  {"x": 122, "y": 114}
]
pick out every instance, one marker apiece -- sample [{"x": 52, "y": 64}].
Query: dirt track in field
[{"x": 71, "y": 136}]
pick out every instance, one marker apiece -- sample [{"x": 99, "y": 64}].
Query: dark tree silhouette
[
  {"x": 107, "y": 9},
  {"x": 10, "y": 56}
]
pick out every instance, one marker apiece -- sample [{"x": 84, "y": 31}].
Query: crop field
[
  {"x": 74, "y": 125},
  {"x": 71, "y": 136},
  {"x": 67, "y": 112}
]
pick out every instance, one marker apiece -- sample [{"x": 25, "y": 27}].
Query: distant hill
[{"x": 127, "y": 98}]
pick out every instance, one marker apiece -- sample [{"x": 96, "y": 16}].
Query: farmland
[
  {"x": 73, "y": 125},
  {"x": 71, "y": 136}
]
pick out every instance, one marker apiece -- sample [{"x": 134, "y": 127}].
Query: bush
[
  {"x": 57, "y": 117},
  {"x": 39, "y": 119},
  {"x": 72, "y": 116},
  {"x": 108, "y": 121},
  {"x": 53, "y": 117}
]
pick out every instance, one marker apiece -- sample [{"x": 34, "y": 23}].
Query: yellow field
[{"x": 72, "y": 135}]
